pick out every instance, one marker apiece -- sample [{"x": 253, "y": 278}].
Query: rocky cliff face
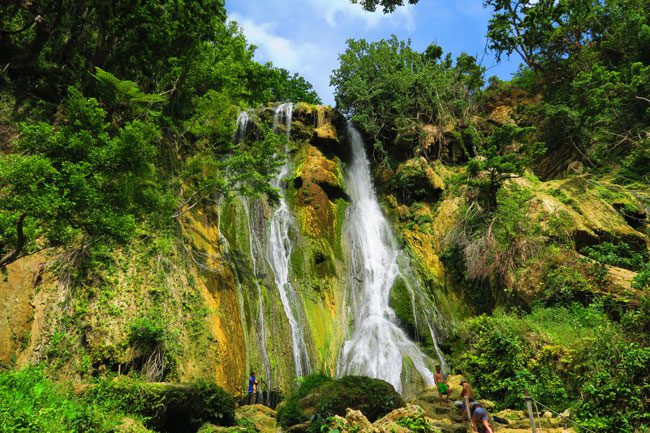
[{"x": 204, "y": 302}]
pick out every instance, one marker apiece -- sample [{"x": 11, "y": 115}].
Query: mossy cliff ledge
[{"x": 187, "y": 305}]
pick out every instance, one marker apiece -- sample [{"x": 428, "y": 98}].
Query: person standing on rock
[
  {"x": 441, "y": 384},
  {"x": 252, "y": 388}
]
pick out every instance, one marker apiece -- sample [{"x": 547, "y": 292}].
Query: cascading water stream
[
  {"x": 279, "y": 253},
  {"x": 243, "y": 119},
  {"x": 254, "y": 244},
  {"x": 377, "y": 345}
]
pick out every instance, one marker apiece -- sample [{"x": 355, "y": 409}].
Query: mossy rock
[
  {"x": 320, "y": 397},
  {"x": 290, "y": 411},
  {"x": 167, "y": 406},
  {"x": 415, "y": 180},
  {"x": 373, "y": 397}
]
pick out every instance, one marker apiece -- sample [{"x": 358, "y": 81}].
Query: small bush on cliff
[{"x": 617, "y": 254}]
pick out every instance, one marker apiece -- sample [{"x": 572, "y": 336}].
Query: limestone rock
[{"x": 261, "y": 417}]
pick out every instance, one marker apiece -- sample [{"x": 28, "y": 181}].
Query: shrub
[
  {"x": 29, "y": 402},
  {"x": 155, "y": 347},
  {"x": 619, "y": 254}
]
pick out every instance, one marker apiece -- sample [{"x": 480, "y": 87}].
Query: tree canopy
[{"x": 125, "y": 111}]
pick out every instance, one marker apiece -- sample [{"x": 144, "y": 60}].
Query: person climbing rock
[
  {"x": 252, "y": 388},
  {"x": 465, "y": 392},
  {"x": 467, "y": 389},
  {"x": 479, "y": 418},
  {"x": 441, "y": 384}
]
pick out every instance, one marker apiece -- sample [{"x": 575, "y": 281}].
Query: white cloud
[
  {"x": 310, "y": 60},
  {"x": 280, "y": 50},
  {"x": 333, "y": 10}
]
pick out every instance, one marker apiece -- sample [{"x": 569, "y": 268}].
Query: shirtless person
[
  {"x": 465, "y": 392},
  {"x": 441, "y": 384}
]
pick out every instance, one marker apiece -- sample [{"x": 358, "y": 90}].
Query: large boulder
[{"x": 373, "y": 397}]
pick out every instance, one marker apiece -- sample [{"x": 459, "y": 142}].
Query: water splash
[
  {"x": 279, "y": 253},
  {"x": 377, "y": 345}
]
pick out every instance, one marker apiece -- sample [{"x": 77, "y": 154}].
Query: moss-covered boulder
[
  {"x": 373, "y": 397},
  {"x": 166, "y": 406},
  {"x": 257, "y": 417},
  {"x": 320, "y": 397}
]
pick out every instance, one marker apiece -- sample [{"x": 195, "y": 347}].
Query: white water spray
[
  {"x": 243, "y": 119},
  {"x": 279, "y": 253},
  {"x": 377, "y": 345}
]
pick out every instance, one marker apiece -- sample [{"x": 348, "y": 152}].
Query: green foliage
[
  {"x": 506, "y": 153},
  {"x": 81, "y": 177},
  {"x": 29, "y": 402},
  {"x": 392, "y": 91},
  {"x": 619, "y": 254},
  {"x": 416, "y": 425},
  {"x": 642, "y": 279},
  {"x": 387, "y": 5},
  {"x": 592, "y": 73},
  {"x": 565, "y": 285},
  {"x": 566, "y": 357}
]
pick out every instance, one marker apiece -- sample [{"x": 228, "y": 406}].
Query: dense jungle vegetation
[{"x": 116, "y": 117}]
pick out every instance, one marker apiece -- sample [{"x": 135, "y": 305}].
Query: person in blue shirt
[
  {"x": 252, "y": 388},
  {"x": 479, "y": 417}
]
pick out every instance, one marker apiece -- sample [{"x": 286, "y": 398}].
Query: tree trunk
[{"x": 20, "y": 243}]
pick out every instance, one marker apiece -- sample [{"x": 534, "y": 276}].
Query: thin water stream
[{"x": 279, "y": 254}]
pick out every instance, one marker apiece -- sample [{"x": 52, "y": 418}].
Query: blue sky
[{"x": 306, "y": 36}]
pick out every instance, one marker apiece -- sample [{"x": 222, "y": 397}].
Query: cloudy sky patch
[{"x": 306, "y": 36}]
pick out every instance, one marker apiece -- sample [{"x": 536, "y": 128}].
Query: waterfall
[
  {"x": 279, "y": 253},
  {"x": 243, "y": 119},
  {"x": 254, "y": 244},
  {"x": 377, "y": 345}
]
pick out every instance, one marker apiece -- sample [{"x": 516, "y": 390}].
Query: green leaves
[
  {"x": 506, "y": 152},
  {"x": 394, "y": 93},
  {"x": 82, "y": 177}
]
